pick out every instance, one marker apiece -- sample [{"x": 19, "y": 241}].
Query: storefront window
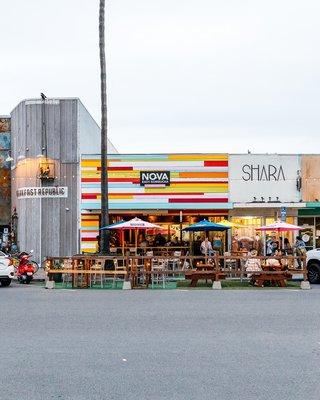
[
  {"x": 308, "y": 233},
  {"x": 247, "y": 226}
]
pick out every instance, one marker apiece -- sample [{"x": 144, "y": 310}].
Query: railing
[{"x": 82, "y": 271}]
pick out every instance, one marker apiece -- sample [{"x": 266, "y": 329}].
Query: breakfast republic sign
[{"x": 264, "y": 177}]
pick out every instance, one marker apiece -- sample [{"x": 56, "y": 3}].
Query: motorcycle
[{"x": 26, "y": 268}]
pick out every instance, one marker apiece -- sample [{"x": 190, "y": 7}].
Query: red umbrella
[
  {"x": 133, "y": 224},
  {"x": 279, "y": 226}
]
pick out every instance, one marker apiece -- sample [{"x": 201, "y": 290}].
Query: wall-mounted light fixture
[{"x": 298, "y": 181}]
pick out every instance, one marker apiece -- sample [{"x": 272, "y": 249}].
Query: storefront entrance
[{"x": 172, "y": 229}]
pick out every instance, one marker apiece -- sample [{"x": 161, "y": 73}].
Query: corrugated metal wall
[{"x": 49, "y": 226}]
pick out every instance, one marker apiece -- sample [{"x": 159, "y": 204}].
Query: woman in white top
[{"x": 206, "y": 247}]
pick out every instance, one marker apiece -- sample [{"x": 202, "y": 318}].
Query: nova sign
[{"x": 155, "y": 178}]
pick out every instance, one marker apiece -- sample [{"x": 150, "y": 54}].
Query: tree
[{"x": 104, "y": 239}]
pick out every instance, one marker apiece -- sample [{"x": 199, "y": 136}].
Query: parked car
[
  {"x": 313, "y": 265},
  {"x": 6, "y": 269}
]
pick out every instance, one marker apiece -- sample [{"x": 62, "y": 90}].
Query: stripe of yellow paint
[
  {"x": 90, "y": 223},
  {"x": 90, "y": 163},
  {"x": 203, "y": 174},
  {"x": 89, "y": 216},
  {"x": 94, "y": 163},
  {"x": 117, "y": 196},
  {"x": 198, "y": 157}
]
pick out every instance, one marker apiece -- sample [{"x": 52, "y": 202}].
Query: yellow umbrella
[{"x": 225, "y": 222}]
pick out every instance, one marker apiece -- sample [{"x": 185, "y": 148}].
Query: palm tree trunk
[{"x": 104, "y": 242}]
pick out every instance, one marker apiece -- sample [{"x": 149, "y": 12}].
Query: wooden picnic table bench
[
  {"x": 194, "y": 275},
  {"x": 275, "y": 278}
]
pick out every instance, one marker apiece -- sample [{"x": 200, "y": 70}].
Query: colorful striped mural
[
  {"x": 197, "y": 181},
  {"x": 89, "y": 232}
]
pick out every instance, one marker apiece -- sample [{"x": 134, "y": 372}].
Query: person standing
[
  {"x": 287, "y": 249},
  {"x": 217, "y": 244},
  {"x": 235, "y": 244},
  {"x": 257, "y": 245},
  {"x": 300, "y": 248}
]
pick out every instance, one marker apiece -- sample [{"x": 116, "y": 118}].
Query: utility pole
[{"x": 104, "y": 236}]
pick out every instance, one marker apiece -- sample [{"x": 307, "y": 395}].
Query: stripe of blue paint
[{"x": 155, "y": 206}]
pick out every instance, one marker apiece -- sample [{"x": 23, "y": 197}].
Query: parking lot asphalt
[{"x": 161, "y": 344}]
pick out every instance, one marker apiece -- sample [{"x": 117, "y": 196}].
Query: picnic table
[
  {"x": 275, "y": 275},
  {"x": 206, "y": 272}
]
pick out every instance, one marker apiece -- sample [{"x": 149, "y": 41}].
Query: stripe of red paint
[
  {"x": 216, "y": 163},
  {"x": 94, "y": 195},
  {"x": 130, "y": 180},
  {"x": 90, "y": 180},
  {"x": 88, "y": 239},
  {"x": 221, "y": 200},
  {"x": 89, "y": 196},
  {"x": 197, "y": 182}
]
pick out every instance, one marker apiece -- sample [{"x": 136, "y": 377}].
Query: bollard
[
  {"x": 216, "y": 285},
  {"x": 305, "y": 285},
  {"x": 50, "y": 284}
]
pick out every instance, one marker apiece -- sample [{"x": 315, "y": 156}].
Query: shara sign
[
  {"x": 263, "y": 177},
  {"x": 258, "y": 172},
  {"x": 155, "y": 178},
  {"x": 42, "y": 192}
]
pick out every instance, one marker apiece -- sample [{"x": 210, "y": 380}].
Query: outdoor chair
[
  {"x": 67, "y": 278},
  {"x": 118, "y": 277},
  {"x": 113, "y": 251},
  {"x": 175, "y": 260},
  {"x": 187, "y": 264},
  {"x": 97, "y": 267},
  {"x": 158, "y": 276},
  {"x": 230, "y": 264},
  {"x": 133, "y": 251}
]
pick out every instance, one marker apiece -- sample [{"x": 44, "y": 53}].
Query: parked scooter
[{"x": 26, "y": 268}]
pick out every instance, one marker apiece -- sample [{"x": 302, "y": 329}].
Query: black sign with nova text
[{"x": 154, "y": 178}]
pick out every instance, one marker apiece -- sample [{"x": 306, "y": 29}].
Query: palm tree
[{"x": 104, "y": 242}]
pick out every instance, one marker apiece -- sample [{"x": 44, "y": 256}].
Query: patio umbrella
[
  {"x": 279, "y": 226},
  {"x": 230, "y": 224},
  {"x": 205, "y": 225},
  {"x": 133, "y": 224}
]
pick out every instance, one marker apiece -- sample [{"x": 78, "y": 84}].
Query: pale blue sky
[{"x": 183, "y": 76}]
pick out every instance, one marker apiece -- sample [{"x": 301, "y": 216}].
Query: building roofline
[{"x": 49, "y": 98}]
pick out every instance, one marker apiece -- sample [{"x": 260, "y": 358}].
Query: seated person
[
  {"x": 206, "y": 247},
  {"x": 253, "y": 264},
  {"x": 274, "y": 262}
]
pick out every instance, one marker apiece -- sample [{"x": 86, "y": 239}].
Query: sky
[{"x": 183, "y": 76}]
